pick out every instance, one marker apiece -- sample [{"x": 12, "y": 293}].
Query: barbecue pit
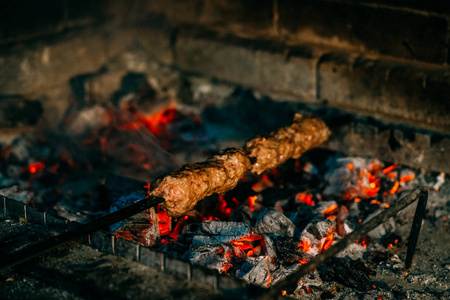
[{"x": 96, "y": 103}]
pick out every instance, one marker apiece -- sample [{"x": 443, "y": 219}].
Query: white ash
[
  {"x": 342, "y": 179},
  {"x": 382, "y": 229},
  {"x": 440, "y": 179},
  {"x": 210, "y": 256},
  {"x": 87, "y": 119},
  {"x": 353, "y": 251},
  {"x": 321, "y": 206},
  {"x": 272, "y": 221},
  {"x": 225, "y": 228},
  {"x": 259, "y": 274},
  {"x": 17, "y": 193}
]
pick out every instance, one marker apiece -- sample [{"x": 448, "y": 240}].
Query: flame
[
  {"x": 263, "y": 184},
  {"x": 304, "y": 245},
  {"x": 389, "y": 169},
  {"x": 330, "y": 210},
  {"x": 226, "y": 267},
  {"x": 283, "y": 293},
  {"x": 303, "y": 261},
  {"x": 328, "y": 241},
  {"x": 164, "y": 223},
  {"x": 156, "y": 122},
  {"x": 251, "y": 202},
  {"x": 269, "y": 281},
  {"x": 36, "y": 167},
  {"x": 305, "y": 198},
  {"x": 407, "y": 178},
  {"x": 246, "y": 247},
  {"x": 394, "y": 188}
]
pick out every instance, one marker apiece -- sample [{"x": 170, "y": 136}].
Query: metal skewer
[
  {"x": 420, "y": 193},
  {"x": 40, "y": 248}
]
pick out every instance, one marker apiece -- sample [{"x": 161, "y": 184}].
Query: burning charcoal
[
  {"x": 225, "y": 228},
  {"x": 259, "y": 273},
  {"x": 288, "y": 252},
  {"x": 271, "y": 221},
  {"x": 352, "y": 177},
  {"x": 352, "y": 273},
  {"x": 143, "y": 227},
  {"x": 216, "y": 232},
  {"x": 326, "y": 207},
  {"x": 212, "y": 256},
  {"x": 17, "y": 193},
  {"x": 313, "y": 279},
  {"x": 243, "y": 214},
  {"x": 270, "y": 249},
  {"x": 316, "y": 235},
  {"x": 353, "y": 251}
]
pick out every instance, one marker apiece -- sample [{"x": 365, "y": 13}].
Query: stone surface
[
  {"x": 364, "y": 27},
  {"x": 404, "y": 91},
  {"x": 264, "y": 66},
  {"x": 16, "y": 111}
]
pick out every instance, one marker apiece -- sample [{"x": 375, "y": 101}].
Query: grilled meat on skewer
[{"x": 182, "y": 189}]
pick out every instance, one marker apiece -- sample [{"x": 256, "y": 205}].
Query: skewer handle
[{"x": 40, "y": 248}]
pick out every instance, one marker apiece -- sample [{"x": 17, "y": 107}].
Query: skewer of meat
[
  {"x": 288, "y": 142},
  {"x": 182, "y": 189}
]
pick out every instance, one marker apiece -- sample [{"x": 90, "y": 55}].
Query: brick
[
  {"x": 125, "y": 249},
  {"x": 378, "y": 29},
  {"x": 151, "y": 258},
  {"x": 205, "y": 276},
  {"x": 39, "y": 66},
  {"x": 177, "y": 266},
  {"x": 403, "y": 91},
  {"x": 251, "y": 18},
  {"x": 83, "y": 11},
  {"x": 102, "y": 241},
  {"x": 156, "y": 42},
  {"x": 176, "y": 11},
  {"x": 261, "y": 65}
]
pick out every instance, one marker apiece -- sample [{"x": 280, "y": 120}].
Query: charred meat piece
[
  {"x": 182, "y": 189},
  {"x": 287, "y": 142}
]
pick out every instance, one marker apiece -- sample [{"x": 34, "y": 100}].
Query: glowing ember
[
  {"x": 305, "y": 198},
  {"x": 331, "y": 210},
  {"x": 251, "y": 202},
  {"x": 164, "y": 223},
  {"x": 407, "y": 178},
  {"x": 328, "y": 241},
  {"x": 283, "y": 293},
  {"x": 36, "y": 167},
  {"x": 394, "y": 188},
  {"x": 303, "y": 261},
  {"x": 350, "y": 166},
  {"x": 305, "y": 246},
  {"x": 389, "y": 169}
]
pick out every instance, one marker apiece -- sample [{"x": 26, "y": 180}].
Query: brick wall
[{"x": 387, "y": 59}]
